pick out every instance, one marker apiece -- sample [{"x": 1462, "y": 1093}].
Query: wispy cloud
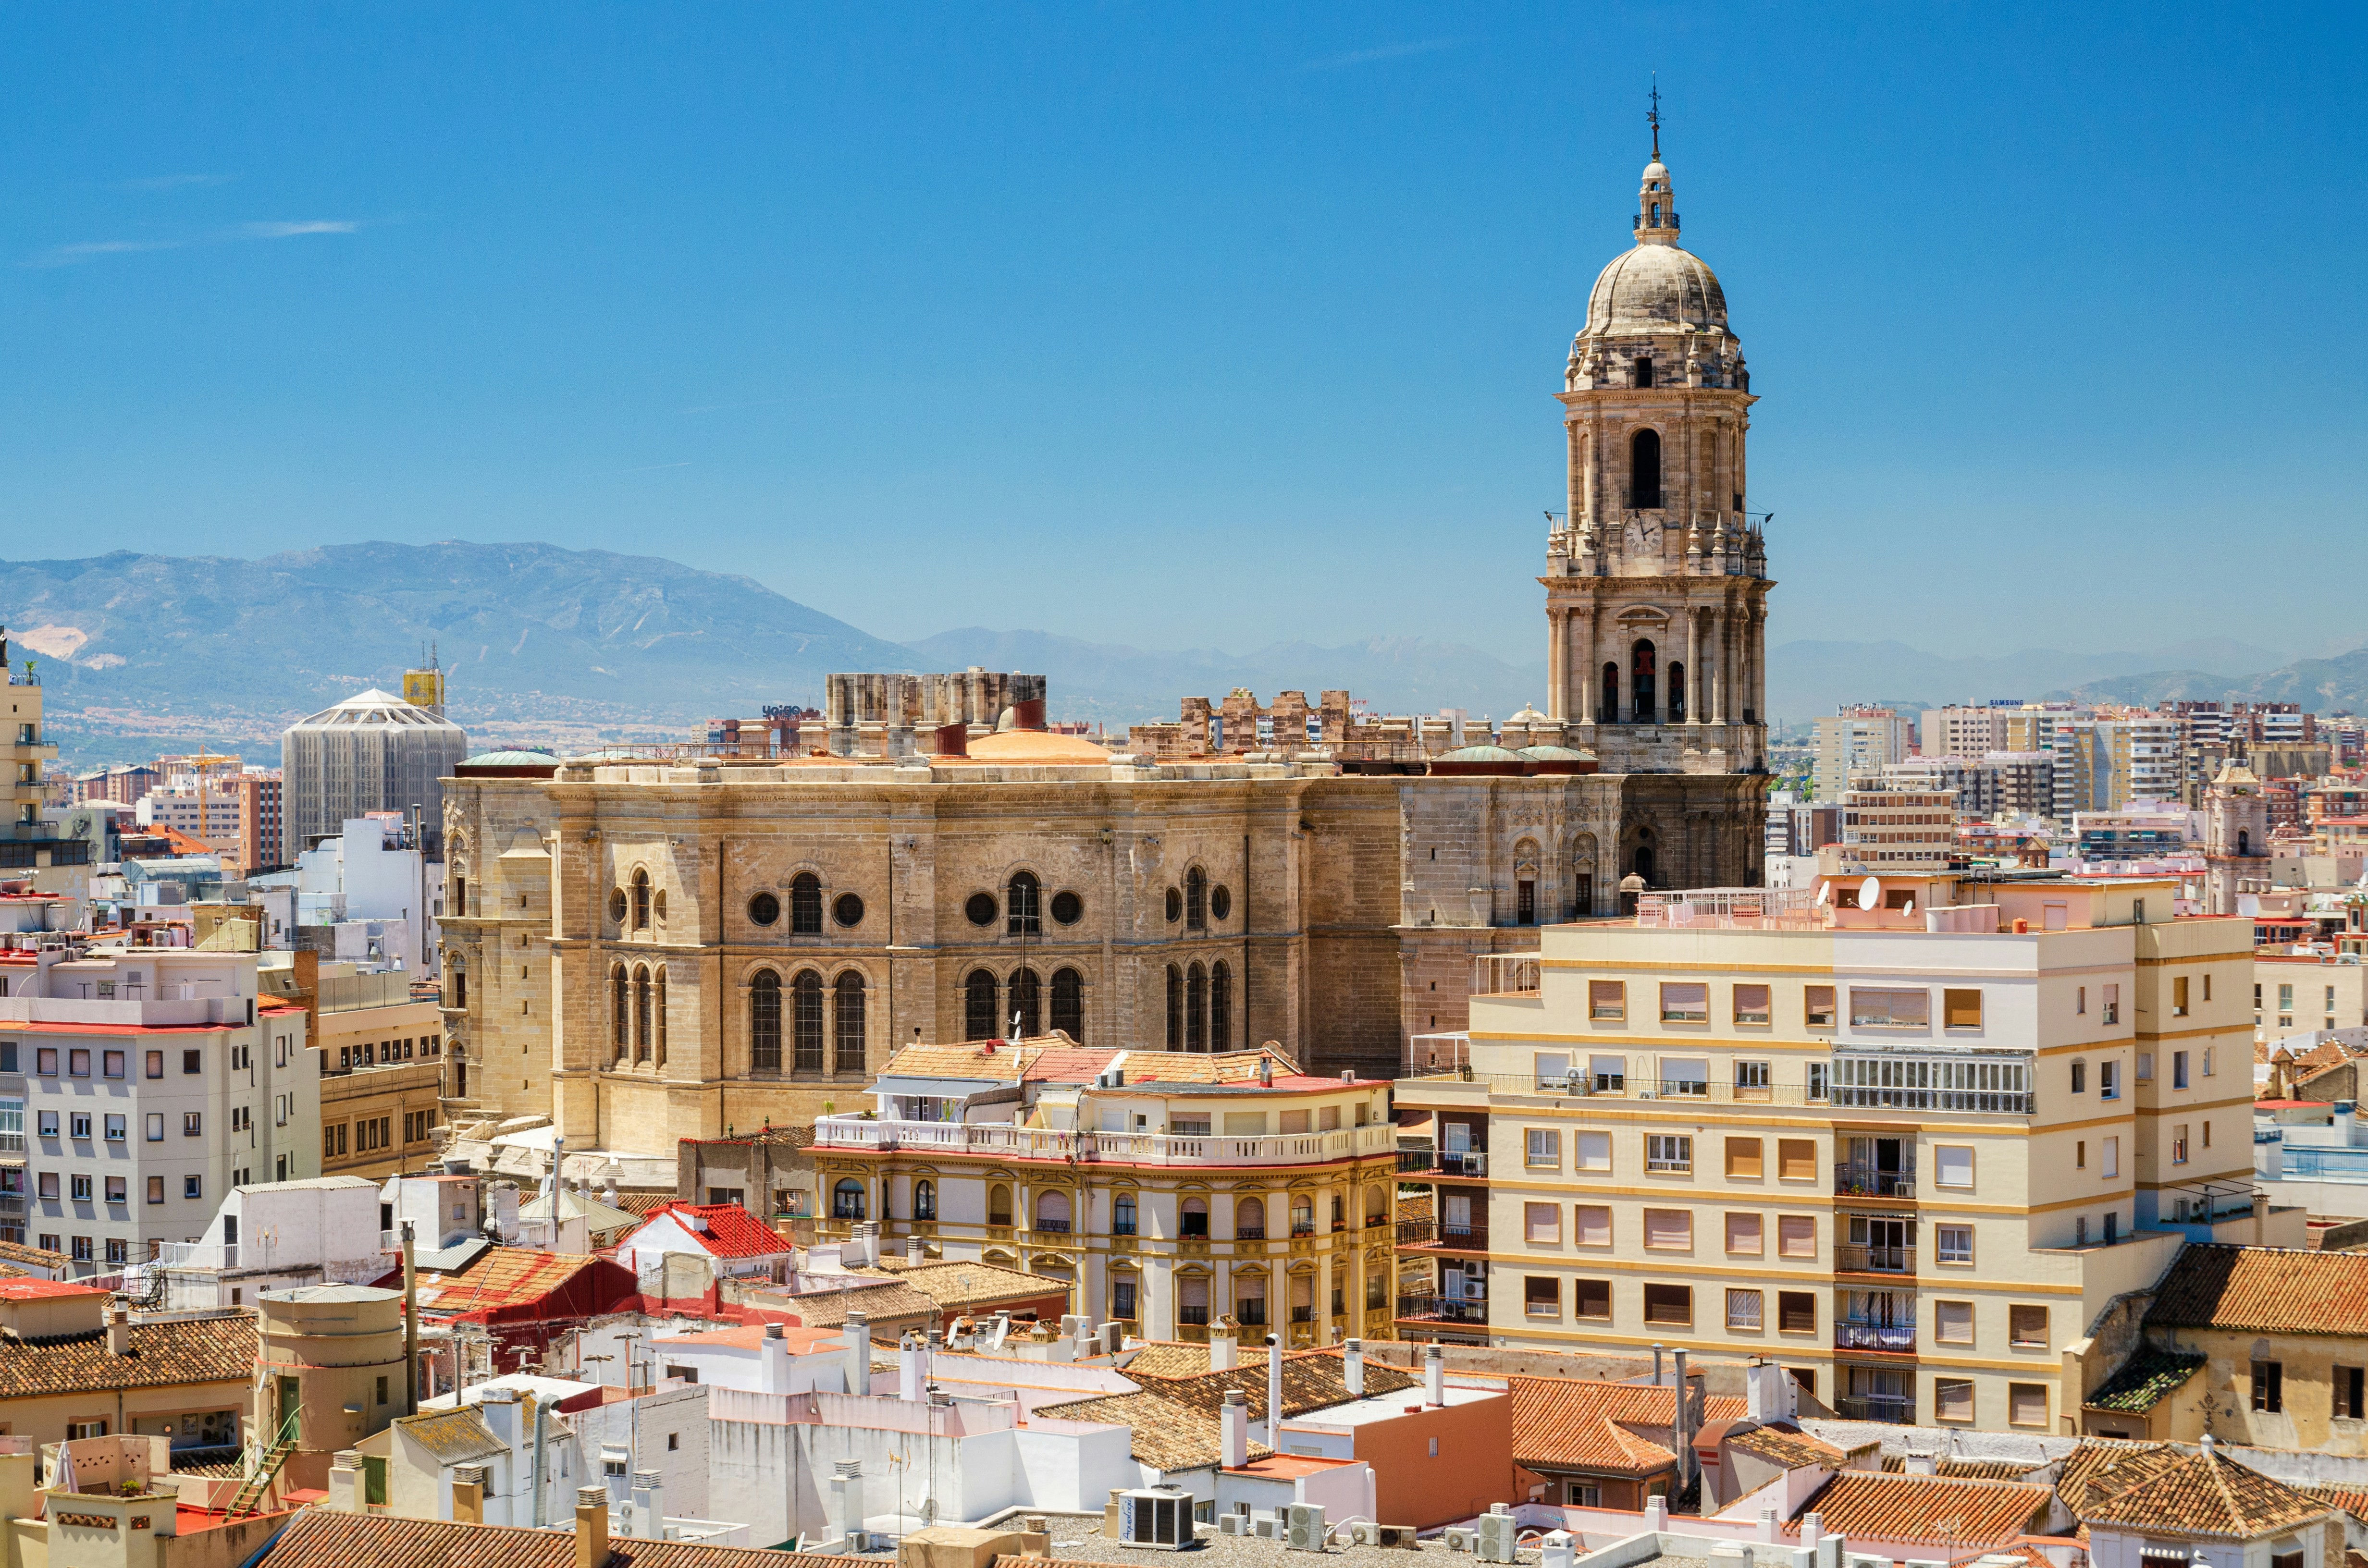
[
  {"x": 171, "y": 182},
  {"x": 292, "y": 231},
  {"x": 1385, "y": 51},
  {"x": 92, "y": 250}
]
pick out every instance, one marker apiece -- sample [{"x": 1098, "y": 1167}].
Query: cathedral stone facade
[{"x": 656, "y": 950}]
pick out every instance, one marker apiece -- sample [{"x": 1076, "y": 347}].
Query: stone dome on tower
[{"x": 1658, "y": 285}]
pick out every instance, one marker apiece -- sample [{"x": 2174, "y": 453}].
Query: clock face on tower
[{"x": 1643, "y": 536}]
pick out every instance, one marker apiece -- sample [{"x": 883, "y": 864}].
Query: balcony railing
[
  {"x": 1249, "y": 1233},
  {"x": 1441, "y": 1309},
  {"x": 1894, "y": 1409},
  {"x": 1007, "y": 1141},
  {"x": 1439, "y": 1235},
  {"x": 1585, "y": 1085},
  {"x": 1852, "y": 1258},
  {"x": 1056, "y": 1227},
  {"x": 1853, "y": 1336},
  {"x": 1866, "y": 1181},
  {"x": 1505, "y": 974},
  {"x": 1730, "y": 908}
]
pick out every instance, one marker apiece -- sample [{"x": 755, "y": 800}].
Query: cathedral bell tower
[{"x": 1656, "y": 578}]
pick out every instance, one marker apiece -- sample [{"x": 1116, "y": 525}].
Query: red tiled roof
[
  {"x": 2203, "y": 1492},
  {"x": 500, "y": 1277},
  {"x": 1865, "y": 1505},
  {"x": 1581, "y": 1424},
  {"x": 730, "y": 1231},
  {"x": 2252, "y": 1290},
  {"x": 323, "y": 1537},
  {"x": 28, "y": 1289}
]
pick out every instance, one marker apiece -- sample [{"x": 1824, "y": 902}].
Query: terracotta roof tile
[
  {"x": 2201, "y": 1493},
  {"x": 2091, "y": 1459},
  {"x": 2145, "y": 1381},
  {"x": 33, "y": 1257},
  {"x": 322, "y": 1538},
  {"x": 2353, "y": 1500},
  {"x": 1985, "y": 1470},
  {"x": 1168, "y": 1359},
  {"x": 504, "y": 1277},
  {"x": 969, "y": 1287},
  {"x": 1586, "y": 1425},
  {"x": 828, "y": 1309},
  {"x": 206, "y": 1350},
  {"x": 1175, "y": 1420},
  {"x": 728, "y": 1229},
  {"x": 1785, "y": 1444},
  {"x": 993, "y": 1061},
  {"x": 1205, "y": 1067},
  {"x": 2265, "y": 1290},
  {"x": 455, "y": 1435},
  {"x": 1927, "y": 1509}
]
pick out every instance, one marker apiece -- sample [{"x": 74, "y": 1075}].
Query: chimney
[
  {"x": 2209, "y": 1445},
  {"x": 345, "y": 1480},
  {"x": 1266, "y": 1070},
  {"x": 1918, "y": 1464},
  {"x": 411, "y": 1324},
  {"x": 1554, "y": 1549},
  {"x": 591, "y": 1527},
  {"x": 1233, "y": 1428},
  {"x": 649, "y": 1504},
  {"x": 849, "y": 1484},
  {"x": 1274, "y": 1392},
  {"x": 119, "y": 1332},
  {"x": 916, "y": 1253},
  {"x": 1684, "y": 1414},
  {"x": 1434, "y": 1375},
  {"x": 1660, "y": 1373},
  {"x": 469, "y": 1495},
  {"x": 1812, "y": 1525},
  {"x": 1352, "y": 1367},
  {"x": 911, "y": 1354},
  {"x": 953, "y": 740},
  {"x": 1656, "y": 1512},
  {"x": 773, "y": 1362},
  {"x": 858, "y": 1352},
  {"x": 1220, "y": 1350}
]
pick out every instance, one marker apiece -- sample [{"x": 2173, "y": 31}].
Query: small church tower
[{"x": 2235, "y": 838}]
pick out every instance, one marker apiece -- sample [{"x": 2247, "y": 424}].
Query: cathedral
[{"x": 651, "y": 949}]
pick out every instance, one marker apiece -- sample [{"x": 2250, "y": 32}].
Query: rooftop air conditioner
[
  {"x": 1496, "y": 1537},
  {"x": 1304, "y": 1527},
  {"x": 1400, "y": 1538},
  {"x": 1266, "y": 1526},
  {"x": 1364, "y": 1532},
  {"x": 1233, "y": 1524},
  {"x": 1459, "y": 1538},
  {"x": 1155, "y": 1516}
]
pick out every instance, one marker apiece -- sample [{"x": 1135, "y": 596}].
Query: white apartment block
[
  {"x": 1964, "y": 732},
  {"x": 1906, "y": 1140},
  {"x": 1858, "y": 741},
  {"x": 1886, "y": 831},
  {"x": 154, "y": 1080}
]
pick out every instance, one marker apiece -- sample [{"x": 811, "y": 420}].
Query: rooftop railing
[
  {"x": 1505, "y": 974},
  {"x": 1005, "y": 1141},
  {"x": 1729, "y": 909}
]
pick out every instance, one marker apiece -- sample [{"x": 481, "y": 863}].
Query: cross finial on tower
[{"x": 1653, "y": 117}]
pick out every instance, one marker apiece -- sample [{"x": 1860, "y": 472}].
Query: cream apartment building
[
  {"x": 1169, "y": 1190},
  {"x": 1909, "y": 1149}
]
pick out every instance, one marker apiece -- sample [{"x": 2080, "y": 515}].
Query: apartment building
[
  {"x": 2103, "y": 765},
  {"x": 2032, "y": 726},
  {"x": 155, "y": 1080},
  {"x": 2295, "y": 992},
  {"x": 2144, "y": 829},
  {"x": 381, "y": 1067},
  {"x": 1965, "y": 731},
  {"x": 1983, "y": 784},
  {"x": 1885, "y": 832},
  {"x": 1169, "y": 1189},
  {"x": 1905, "y": 1144},
  {"x": 1857, "y": 742}
]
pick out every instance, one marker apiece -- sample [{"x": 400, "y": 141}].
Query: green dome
[{"x": 1479, "y": 754}]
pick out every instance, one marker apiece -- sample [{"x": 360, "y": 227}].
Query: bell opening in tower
[
  {"x": 1644, "y": 471},
  {"x": 1640, "y": 680},
  {"x": 1607, "y": 706}
]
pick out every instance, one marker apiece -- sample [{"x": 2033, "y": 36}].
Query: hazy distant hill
[
  {"x": 151, "y": 643},
  {"x": 1805, "y": 678},
  {"x": 2321, "y": 686}
]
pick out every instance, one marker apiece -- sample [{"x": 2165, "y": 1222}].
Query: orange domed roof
[{"x": 1035, "y": 746}]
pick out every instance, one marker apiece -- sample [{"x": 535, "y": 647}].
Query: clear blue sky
[{"x": 1187, "y": 324}]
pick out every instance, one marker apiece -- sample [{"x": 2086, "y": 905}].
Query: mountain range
[{"x": 139, "y": 653}]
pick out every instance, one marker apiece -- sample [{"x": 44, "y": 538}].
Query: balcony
[
  {"x": 1004, "y": 1140},
  {"x": 1442, "y": 1237},
  {"x": 1583, "y": 1084},
  {"x": 1441, "y": 1309},
  {"x": 1896, "y": 1338},
  {"x": 1426, "y": 1161},
  {"x": 1868, "y": 1181},
  {"x": 1052, "y": 1227},
  {"x": 1249, "y": 1233},
  {"x": 1849, "y": 1257},
  {"x": 1893, "y": 1409}
]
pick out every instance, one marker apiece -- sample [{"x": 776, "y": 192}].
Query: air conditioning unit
[
  {"x": 1476, "y": 1287},
  {"x": 1266, "y": 1526},
  {"x": 1364, "y": 1532},
  {"x": 1496, "y": 1537},
  {"x": 1233, "y": 1524},
  {"x": 1459, "y": 1538},
  {"x": 1476, "y": 1163},
  {"x": 1400, "y": 1538},
  {"x": 1155, "y": 1516},
  {"x": 1304, "y": 1527}
]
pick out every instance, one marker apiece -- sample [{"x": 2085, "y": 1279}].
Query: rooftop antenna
[{"x": 1653, "y": 117}]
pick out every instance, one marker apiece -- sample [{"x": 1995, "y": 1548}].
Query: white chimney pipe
[
  {"x": 911, "y": 1355},
  {"x": 1352, "y": 1367},
  {"x": 649, "y": 1504},
  {"x": 1222, "y": 1357},
  {"x": 773, "y": 1362},
  {"x": 1274, "y": 1392},
  {"x": 849, "y": 1484},
  {"x": 1434, "y": 1375},
  {"x": 1233, "y": 1426},
  {"x": 858, "y": 1352},
  {"x": 1813, "y": 1527}
]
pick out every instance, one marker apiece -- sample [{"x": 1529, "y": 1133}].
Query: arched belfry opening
[
  {"x": 1641, "y": 681},
  {"x": 1644, "y": 469}
]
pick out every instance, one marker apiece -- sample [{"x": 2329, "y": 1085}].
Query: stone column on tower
[{"x": 1691, "y": 695}]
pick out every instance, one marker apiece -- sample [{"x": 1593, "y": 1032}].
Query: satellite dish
[
  {"x": 1825, "y": 893},
  {"x": 1870, "y": 893}
]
